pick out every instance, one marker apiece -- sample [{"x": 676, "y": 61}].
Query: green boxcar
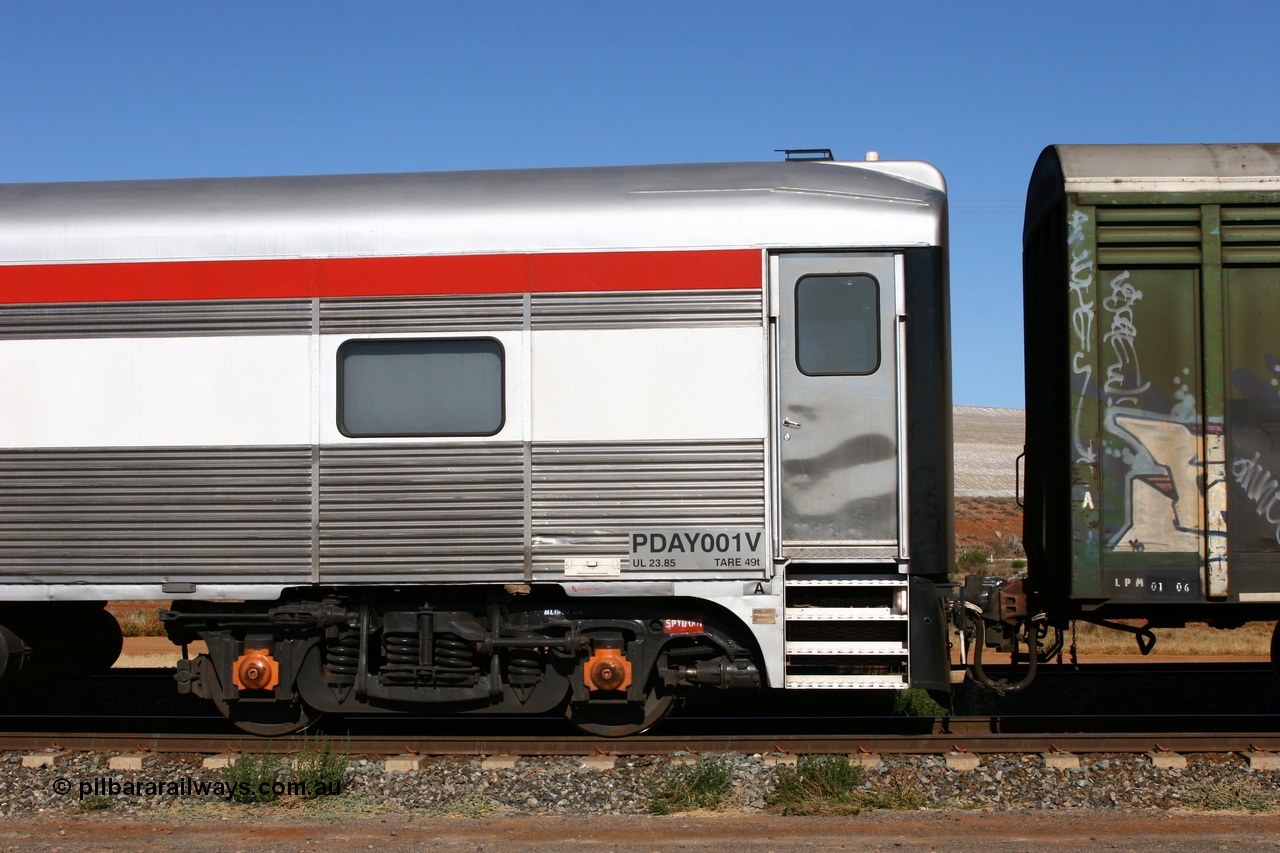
[{"x": 1152, "y": 308}]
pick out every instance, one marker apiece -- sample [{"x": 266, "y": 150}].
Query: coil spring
[
  {"x": 401, "y": 651},
  {"x": 342, "y": 659},
  {"x": 524, "y": 667},
  {"x": 454, "y": 661}
]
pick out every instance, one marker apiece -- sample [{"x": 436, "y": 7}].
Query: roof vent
[
  {"x": 802, "y": 154},
  {"x": 872, "y": 156}
]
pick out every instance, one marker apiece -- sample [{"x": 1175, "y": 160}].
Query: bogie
[{"x": 273, "y": 668}]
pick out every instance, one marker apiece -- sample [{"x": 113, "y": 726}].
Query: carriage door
[{"x": 836, "y": 424}]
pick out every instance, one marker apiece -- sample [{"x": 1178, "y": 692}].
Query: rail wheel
[
  {"x": 266, "y": 718},
  {"x": 1275, "y": 649},
  {"x": 106, "y": 641},
  {"x": 269, "y": 719},
  {"x": 620, "y": 719}
]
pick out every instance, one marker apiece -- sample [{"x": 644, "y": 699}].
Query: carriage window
[
  {"x": 837, "y": 325},
  {"x": 450, "y": 386}
]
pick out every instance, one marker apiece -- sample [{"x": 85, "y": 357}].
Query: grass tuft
[
  {"x": 348, "y": 805},
  {"x": 830, "y": 785},
  {"x": 140, "y": 623},
  {"x": 1238, "y": 795},
  {"x": 1250, "y": 640},
  {"x": 916, "y": 703},
  {"x": 474, "y": 806},
  {"x": 96, "y": 804},
  {"x": 318, "y": 770},
  {"x": 706, "y": 785},
  {"x": 253, "y": 778},
  {"x": 971, "y": 560}
]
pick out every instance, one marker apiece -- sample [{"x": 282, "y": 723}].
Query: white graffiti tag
[
  {"x": 1261, "y": 488},
  {"x": 1076, "y": 223},
  {"x": 1082, "y": 325},
  {"x": 1122, "y": 336}
]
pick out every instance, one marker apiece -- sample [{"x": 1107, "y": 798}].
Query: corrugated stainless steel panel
[
  {"x": 648, "y": 309},
  {"x": 401, "y": 314},
  {"x": 872, "y": 554},
  {"x": 150, "y": 319},
  {"x": 588, "y": 498},
  {"x": 388, "y": 513},
  {"x": 220, "y": 513},
  {"x": 422, "y": 513}
]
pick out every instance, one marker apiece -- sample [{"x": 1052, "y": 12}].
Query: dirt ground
[
  {"x": 728, "y": 832},
  {"x": 149, "y": 652},
  {"x": 982, "y": 522}
]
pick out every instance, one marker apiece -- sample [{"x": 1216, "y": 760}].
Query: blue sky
[{"x": 124, "y": 89}]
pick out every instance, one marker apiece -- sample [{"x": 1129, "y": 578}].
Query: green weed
[
  {"x": 141, "y": 623},
  {"x": 95, "y": 804},
  {"x": 253, "y": 778},
  {"x": 971, "y": 560},
  {"x": 317, "y": 769},
  {"x": 473, "y": 806},
  {"x": 1235, "y": 796},
  {"x": 916, "y": 703},
  {"x": 708, "y": 784},
  {"x": 830, "y": 785}
]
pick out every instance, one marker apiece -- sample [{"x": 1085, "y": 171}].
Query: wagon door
[{"x": 838, "y": 414}]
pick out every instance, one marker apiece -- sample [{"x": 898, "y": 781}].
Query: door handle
[{"x": 787, "y": 422}]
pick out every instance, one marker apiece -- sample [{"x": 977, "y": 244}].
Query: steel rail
[{"x": 969, "y": 737}]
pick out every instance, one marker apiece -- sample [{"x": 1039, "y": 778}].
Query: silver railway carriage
[{"x": 488, "y": 441}]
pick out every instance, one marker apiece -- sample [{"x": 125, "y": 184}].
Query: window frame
[
  {"x": 340, "y": 408},
  {"x": 876, "y": 326}
]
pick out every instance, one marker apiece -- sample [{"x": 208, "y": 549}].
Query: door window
[{"x": 837, "y": 325}]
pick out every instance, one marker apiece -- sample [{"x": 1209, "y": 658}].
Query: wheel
[
  {"x": 1275, "y": 649},
  {"x": 267, "y": 718},
  {"x": 105, "y": 641},
  {"x": 620, "y": 720},
  {"x": 270, "y": 719}
]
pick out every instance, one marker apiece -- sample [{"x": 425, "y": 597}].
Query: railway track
[{"x": 951, "y": 736}]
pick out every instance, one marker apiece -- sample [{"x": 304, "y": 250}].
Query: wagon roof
[
  {"x": 1168, "y": 167},
  {"x": 1145, "y": 169},
  {"x": 735, "y": 205}
]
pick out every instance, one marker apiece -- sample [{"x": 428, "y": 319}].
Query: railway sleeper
[{"x": 614, "y": 669}]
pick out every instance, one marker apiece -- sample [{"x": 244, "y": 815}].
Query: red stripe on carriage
[{"x": 574, "y": 272}]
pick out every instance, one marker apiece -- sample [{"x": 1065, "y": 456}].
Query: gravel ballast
[{"x": 80, "y": 783}]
